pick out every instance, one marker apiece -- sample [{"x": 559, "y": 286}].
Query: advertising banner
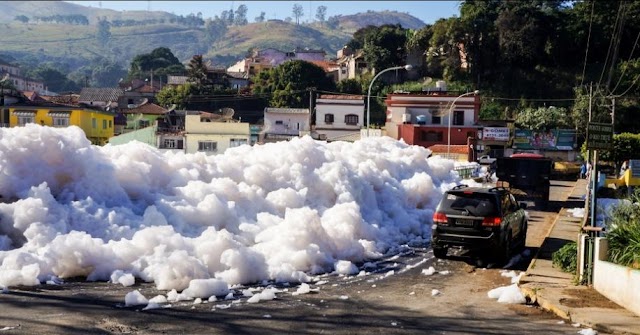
[
  {"x": 556, "y": 139},
  {"x": 495, "y": 134}
]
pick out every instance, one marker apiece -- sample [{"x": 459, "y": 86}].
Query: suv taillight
[
  {"x": 440, "y": 218},
  {"x": 491, "y": 221}
]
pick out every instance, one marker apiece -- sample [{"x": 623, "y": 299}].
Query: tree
[
  {"x": 22, "y": 19},
  {"x": 103, "y": 34},
  {"x": 288, "y": 19},
  {"x": 288, "y": 83},
  {"x": 55, "y": 80},
  {"x": 215, "y": 29},
  {"x": 241, "y": 16},
  {"x": 159, "y": 58},
  {"x": 333, "y": 22},
  {"x": 351, "y": 86},
  {"x": 261, "y": 17},
  {"x": 178, "y": 95},
  {"x": 383, "y": 46},
  {"x": 544, "y": 118},
  {"x": 228, "y": 17},
  {"x": 197, "y": 72},
  {"x": 321, "y": 13},
  {"x": 298, "y": 12}
]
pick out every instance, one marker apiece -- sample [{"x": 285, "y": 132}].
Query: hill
[{"x": 73, "y": 46}]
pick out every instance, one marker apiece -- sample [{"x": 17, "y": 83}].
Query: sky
[{"x": 427, "y": 11}]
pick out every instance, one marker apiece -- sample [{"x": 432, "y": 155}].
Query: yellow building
[{"x": 97, "y": 124}]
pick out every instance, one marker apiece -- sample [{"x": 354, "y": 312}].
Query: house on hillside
[
  {"x": 281, "y": 124},
  {"x": 213, "y": 134},
  {"x": 351, "y": 63},
  {"x": 142, "y": 115},
  {"x": 428, "y": 118},
  {"x": 339, "y": 116},
  {"x": 260, "y": 60},
  {"x": 331, "y": 68},
  {"x": 13, "y": 74},
  {"x": 97, "y": 124}
]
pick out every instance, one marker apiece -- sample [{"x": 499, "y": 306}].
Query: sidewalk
[{"x": 555, "y": 290}]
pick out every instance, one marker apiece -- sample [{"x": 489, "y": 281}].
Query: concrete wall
[
  {"x": 619, "y": 284},
  {"x": 146, "y": 135}
]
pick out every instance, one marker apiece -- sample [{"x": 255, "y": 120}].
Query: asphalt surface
[{"x": 394, "y": 297}]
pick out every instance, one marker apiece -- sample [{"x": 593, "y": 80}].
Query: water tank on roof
[
  {"x": 441, "y": 85},
  {"x": 406, "y": 118},
  {"x": 421, "y": 119}
]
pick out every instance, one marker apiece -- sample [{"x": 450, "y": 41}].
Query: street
[{"x": 393, "y": 297}]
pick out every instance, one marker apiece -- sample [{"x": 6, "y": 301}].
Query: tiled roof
[
  {"x": 146, "y": 89},
  {"x": 327, "y": 66},
  {"x": 455, "y": 149},
  {"x": 286, "y": 110},
  {"x": 33, "y": 96},
  {"x": 67, "y": 99},
  {"x": 342, "y": 97},
  {"x": 237, "y": 75},
  {"x": 148, "y": 109},
  {"x": 100, "y": 94}
]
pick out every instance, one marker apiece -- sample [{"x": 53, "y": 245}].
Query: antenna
[
  {"x": 148, "y": 5},
  {"x": 227, "y": 113}
]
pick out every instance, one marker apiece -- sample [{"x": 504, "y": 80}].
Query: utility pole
[{"x": 311, "y": 113}]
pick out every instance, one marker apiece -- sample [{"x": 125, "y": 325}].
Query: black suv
[{"x": 480, "y": 219}]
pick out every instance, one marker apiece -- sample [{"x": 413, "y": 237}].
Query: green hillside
[{"x": 73, "y": 46}]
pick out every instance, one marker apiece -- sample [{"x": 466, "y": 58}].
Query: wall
[
  {"x": 292, "y": 123},
  {"x": 145, "y": 135},
  {"x": 618, "y": 283},
  {"x": 339, "y": 109}
]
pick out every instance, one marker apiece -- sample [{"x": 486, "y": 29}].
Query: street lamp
[
  {"x": 407, "y": 67},
  {"x": 453, "y": 103}
]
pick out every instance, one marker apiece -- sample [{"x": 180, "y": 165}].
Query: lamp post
[
  {"x": 453, "y": 103},
  {"x": 407, "y": 67}
]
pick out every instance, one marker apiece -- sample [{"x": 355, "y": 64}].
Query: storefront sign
[
  {"x": 599, "y": 136},
  {"x": 495, "y": 134},
  {"x": 553, "y": 140}
]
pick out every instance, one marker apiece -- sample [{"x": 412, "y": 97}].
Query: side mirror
[{"x": 523, "y": 205}]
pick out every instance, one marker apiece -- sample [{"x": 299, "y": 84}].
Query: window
[
  {"x": 351, "y": 119},
  {"x": 328, "y": 118},
  {"x": 60, "y": 121},
  {"x": 110, "y": 124},
  {"x": 458, "y": 118},
  {"x": 130, "y": 101},
  {"x": 436, "y": 119},
  {"x": 431, "y": 136},
  {"x": 94, "y": 123},
  {"x": 104, "y": 124},
  {"x": 236, "y": 142},
  {"x": 22, "y": 120},
  {"x": 209, "y": 146},
  {"x": 279, "y": 122},
  {"x": 172, "y": 143},
  {"x": 144, "y": 123}
]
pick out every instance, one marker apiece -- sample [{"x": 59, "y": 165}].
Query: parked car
[
  {"x": 486, "y": 220},
  {"x": 486, "y": 159}
]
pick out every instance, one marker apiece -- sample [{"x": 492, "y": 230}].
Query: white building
[
  {"x": 339, "y": 116},
  {"x": 285, "y": 123},
  {"x": 213, "y": 135},
  {"x": 14, "y": 76}
]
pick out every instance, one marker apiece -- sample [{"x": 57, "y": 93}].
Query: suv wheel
[
  {"x": 505, "y": 255},
  {"x": 440, "y": 252},
  {"x": 522, "y": 240}
]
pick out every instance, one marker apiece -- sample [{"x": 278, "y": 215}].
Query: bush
[
  {"x": 623, "y": 233},
  {"x": 566, "y": 258}
]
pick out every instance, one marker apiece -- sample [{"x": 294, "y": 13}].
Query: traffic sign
[{"x": 599, "y": 136}]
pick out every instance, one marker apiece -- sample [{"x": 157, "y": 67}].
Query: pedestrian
[{"x": 583, "y": 170}]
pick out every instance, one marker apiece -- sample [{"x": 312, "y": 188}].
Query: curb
[{"x": 532, "y": 296}]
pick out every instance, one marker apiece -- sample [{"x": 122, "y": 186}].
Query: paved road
[{"x": 393, "y": 298}]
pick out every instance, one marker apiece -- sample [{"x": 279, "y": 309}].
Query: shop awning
[
  {"x": 24, "y": 113},
  {"x": 59, "y": 114}
]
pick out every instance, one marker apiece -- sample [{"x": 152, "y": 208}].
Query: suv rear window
[{"x": 477, "y": 204}]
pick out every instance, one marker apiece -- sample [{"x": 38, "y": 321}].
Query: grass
[{"x": 566, "y": 258}]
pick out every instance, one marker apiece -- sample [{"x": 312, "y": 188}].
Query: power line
[
  {"x": 625, "y": 69},
  {"x": 613, "y": 37},
  {"x": 586, "y": 51}
]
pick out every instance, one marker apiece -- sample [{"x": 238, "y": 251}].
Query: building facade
[
  {"x": 338, "y": 116},
  {"x": 202, "y": 134},
  {"x": 281, "y": 124},
  {"x": 429, "y": 118},
  {"x": 97, "y": 125}
]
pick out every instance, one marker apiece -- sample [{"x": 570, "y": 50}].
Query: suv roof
[{"x": 462, "y": 188}]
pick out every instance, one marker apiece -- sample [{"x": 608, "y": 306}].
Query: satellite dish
[
  {"x": 173, "y": 107},
  {"x": 227, "y": 113},
  {"x": 427, "y": 81}
]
